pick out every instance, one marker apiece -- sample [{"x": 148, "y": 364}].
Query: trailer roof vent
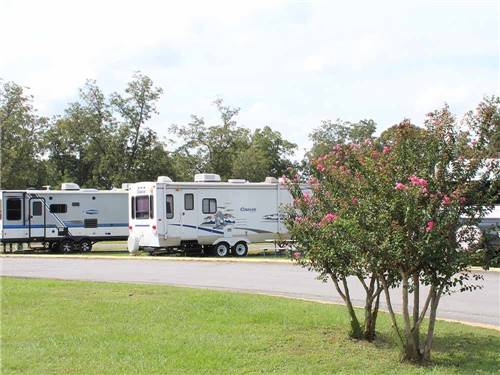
[
  {"x": 271, "y": 180},
  {"x": 125, "y": 186},
  {"x": 237, "y": 181},
  {"x": 164, "y": 179},
  {"x": 206, "y": 177},
  {"x": 69, "y": 186},
  {"x": 89, "y": 190}
]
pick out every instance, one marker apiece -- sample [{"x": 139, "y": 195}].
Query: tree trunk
[
  {"x": 432, "y": 322},
  {"x": 356, "y": 331},
  {"x": 371, "y": 316},
  {"x": 411, "y": 352},
  {"x": 391, "y": 311},
  {"x": 368, "y": 334},
  {"x": 416, "y": 310}
]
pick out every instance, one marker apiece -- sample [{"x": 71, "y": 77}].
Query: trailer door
[
  {"x": 37, "y": 219},
  {"x": 189, "y": 215}
]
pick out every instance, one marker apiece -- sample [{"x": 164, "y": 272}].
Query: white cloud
[{"x": 286, "y": 64}]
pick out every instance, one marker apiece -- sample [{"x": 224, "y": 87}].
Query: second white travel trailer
[
  {"x": 221, "y": 217},
  {"x": 70, "y": 219}
]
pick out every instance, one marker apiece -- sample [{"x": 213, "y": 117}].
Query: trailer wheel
[
  {"x": 240, "y": 249},
  {"x": 67, "y": 246},
  {"x": 54, "y": 247},
  {"x": 86, "y": 246},
  {"x": 221, "y": 249}
]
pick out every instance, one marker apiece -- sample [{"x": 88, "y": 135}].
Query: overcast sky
[{"x": 287, "y": 64}]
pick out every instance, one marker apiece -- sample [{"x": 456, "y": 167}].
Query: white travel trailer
[
  {"x": 223, "y": 217},
  {"x": 70, "y": 219}
]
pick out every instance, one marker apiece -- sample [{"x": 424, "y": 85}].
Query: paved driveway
[{"x": 481, "y": 306}]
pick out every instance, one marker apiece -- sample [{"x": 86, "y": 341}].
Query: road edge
[{"x": 180, "y": 259}]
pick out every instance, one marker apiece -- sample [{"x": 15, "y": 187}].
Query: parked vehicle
[
  {"x": 207, "y": 215},
  {"x": 490, "y": 227},
  {"x": 70, "y": 219}
]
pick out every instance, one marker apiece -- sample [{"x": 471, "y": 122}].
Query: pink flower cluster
[
  {"x": 300, "y": 219},
  {"x": 386, "y": 150},
  {"x": 354, "y": 146},
  {"x": 313, "y": 180},
  {"x": 400, "y": 186},
  {"x": 328, "y": 218},
  {"x": 415, "y": 181},
  {"x": 307, "y": 198},
  {"x": 446, "y": 200},
  {"x": 429, "y": 226}
]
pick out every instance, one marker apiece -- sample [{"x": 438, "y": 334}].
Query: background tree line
[{"x": 103, "y": 141}]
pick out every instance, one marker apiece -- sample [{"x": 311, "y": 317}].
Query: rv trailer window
[
  {"x": 170, "y": 206},
  {"x": 58, "y": 208},
  {"x": 188, "y": 201},
  {"x": 13, "y": 209},
  {"x": 151, "y": 207},
  {"x": 132, "y": 207},
  {"x": 142, "y": 207},
  {"x": 37, "y": 208},
  {"x": 209, "y": 205}
]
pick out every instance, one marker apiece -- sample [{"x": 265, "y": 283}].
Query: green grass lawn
[{"x": 69, "y": 327}]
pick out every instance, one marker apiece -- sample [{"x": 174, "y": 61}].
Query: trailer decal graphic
[
  {"x": 200, "y": 228},
  {"x": 69, "y": 225},
  {"x": 253, "y": 230}
]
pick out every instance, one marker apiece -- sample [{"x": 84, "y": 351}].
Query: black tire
[
  {"x": 54, "y": 247},
  {"x": 67, "y": 246},
  {"x": 221, "y": 249},
  {"x": 240, "y": 249},
  {"x": 85, "y": 246}
]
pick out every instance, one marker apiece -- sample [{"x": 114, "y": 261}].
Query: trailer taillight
[
  {"x": 130, "y": 227},
  {"x": 153, "y": 226}
]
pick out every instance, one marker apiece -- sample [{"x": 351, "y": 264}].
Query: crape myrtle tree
[
  {"x": 414, "y": 206},
  {"x": 432, "y": 204},
  {"x": 334, "y": 227}
]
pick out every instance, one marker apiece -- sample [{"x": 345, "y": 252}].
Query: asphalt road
[{"x": 482, "y": 306}]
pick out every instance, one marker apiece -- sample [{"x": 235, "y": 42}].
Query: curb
[
  {"x": 154, "y": 258},
  {"x": 491, "y": 269}
]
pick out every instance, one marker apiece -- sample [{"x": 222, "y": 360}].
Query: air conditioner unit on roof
[
  {"x": 206, "y": 177},
  {"x": 69, "y": 186}
]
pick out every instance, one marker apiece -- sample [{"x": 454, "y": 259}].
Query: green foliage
[
  {"x": 20, "y": 133},
  {"x": 331, "y": 133},
  {"x": 104, "y": 142},
  {"x": 230, "y": 150},
  {"x": 266, "y": 155},
  {"x": 213, "y": 147}
]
